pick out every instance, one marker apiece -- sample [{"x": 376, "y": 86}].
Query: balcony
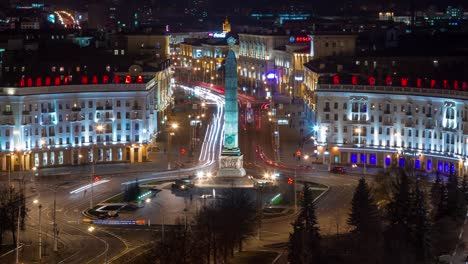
[
  {"x": 76, "y": 109},
  {"x": 362, "y": 122},
  {"x": 72, "y": 119},
  {"x": 409, "y": 124},
  {"x": 429, "y": 126},
  {"x": 387, "y": 123},
  {"x": 409, "y": 113},
  {"x": 25, "y": 112},
  {"x": 326, "y": 109},
  {"x": 429, "y": 115},
  {"x": 449, "y": 129},
  {"x": 7, "y": 112},
  {"x": 137, "y": 107},
  {"x": 387, "y": 112},
  {"x": 108, "y": 107},
  {"x": 7, "y": 121},
  {"x": 99, "y": 107}
]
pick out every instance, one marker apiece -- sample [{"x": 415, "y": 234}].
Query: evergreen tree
[
  {"x": 366, "y": 223},
  {"x": 436, "y": 195},
  {"x": 304, "y": 242},
  {"x": 364, "y": 216},
  {"x": 399, "y": 208},
  {"x": 456, "y": 204},
  {"x": 398, "y": 247},
  {"x": 464, "y": 187},
  {"x": 420, "y": 226},
  {"x": 442, "y": 209}
]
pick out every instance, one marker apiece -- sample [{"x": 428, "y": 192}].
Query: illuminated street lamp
[
  {"x": 99, "y": 129},
  {"x": 33, "y": 169},
  {"x": 170, "y": 134},
  {"x": 40, "y": 227}
]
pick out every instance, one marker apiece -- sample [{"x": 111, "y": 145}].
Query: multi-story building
[
  {"x": 275, "y": 62},
  {"x": 156, "y": 45},
  {"x": 256, "y": 62},
  {"x": 386, "y": 126},
  {"x": 202, "y": 59},
  {"x": 101, "y": 122}
]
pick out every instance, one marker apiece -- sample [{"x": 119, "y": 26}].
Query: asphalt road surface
[{"x": 118, "y": 245}]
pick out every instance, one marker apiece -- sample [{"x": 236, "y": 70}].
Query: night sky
[{"x": 318, "y": 6}]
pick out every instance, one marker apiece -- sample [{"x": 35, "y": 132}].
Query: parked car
[{"x": 338, "y": 169}]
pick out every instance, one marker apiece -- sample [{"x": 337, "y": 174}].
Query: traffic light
[
  {"x": 182, "y": 151},
  {"x": 290, "y": 180}
]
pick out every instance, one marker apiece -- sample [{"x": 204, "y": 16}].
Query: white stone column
[
  {"x": 4, "y": 162},
  {"x": 27, "y": 162},
  {"x": 140, "y": 154},
  {"x": 132, "y": 151}
]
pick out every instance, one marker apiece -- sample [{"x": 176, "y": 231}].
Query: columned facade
[
  {"x": 384, "y": 126},
  {"x": 78, "y": 124}
]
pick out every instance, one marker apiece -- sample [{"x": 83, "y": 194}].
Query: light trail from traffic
[
  {"x": 211, "y": 146},
  {"x": 94, "y": 184}
]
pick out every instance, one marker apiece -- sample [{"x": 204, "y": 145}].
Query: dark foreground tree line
[
  {"x": 417, "y": 224},
  {"x": 216, "y": 233},
  {"x": 12, "y": 206}
]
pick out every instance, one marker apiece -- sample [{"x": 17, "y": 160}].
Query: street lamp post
[
  {"x": 18, "y": 234},
  {"x": 99, "y": 129},
  {"x": 55, "y": 219},
  {"x": 295, "y": 187},
  {"x": 40, "y": 229},
  {"x": 90, "y": 230},
  {"x": 173, "y": 126},
  {"x": 33, "y": 169}
]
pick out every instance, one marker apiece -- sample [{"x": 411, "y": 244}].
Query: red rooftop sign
[
  {"x": 84, "y": 80},
  {"x": 405, "y": 82}
]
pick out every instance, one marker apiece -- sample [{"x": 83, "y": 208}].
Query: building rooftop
[
  {"x": 90, "y": 88},
  {"x": 206, "y": 41}
]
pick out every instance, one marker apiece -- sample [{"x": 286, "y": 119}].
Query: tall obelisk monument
[{"x": 230, "y": 162}]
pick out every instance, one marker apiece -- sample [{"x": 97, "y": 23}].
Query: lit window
[{"x": 116, "y": 52}]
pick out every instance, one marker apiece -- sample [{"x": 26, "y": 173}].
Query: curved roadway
[{"x": 78, "y": 245}]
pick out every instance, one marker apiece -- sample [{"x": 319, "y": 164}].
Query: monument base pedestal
[
  {"x": 231, "y": 166},
  {"x": 231, "y": 173}
]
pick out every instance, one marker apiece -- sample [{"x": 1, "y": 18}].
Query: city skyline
[{"x": 202, "y": 132}]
